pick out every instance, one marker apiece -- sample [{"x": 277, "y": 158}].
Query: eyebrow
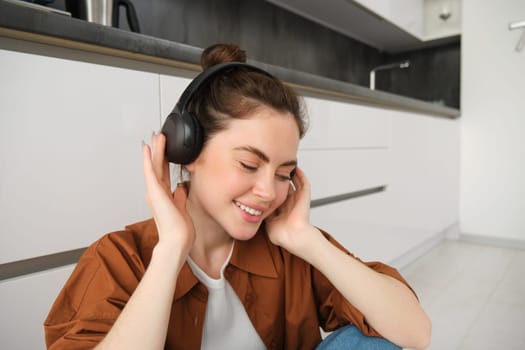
[{"x": 260, "y": 154}]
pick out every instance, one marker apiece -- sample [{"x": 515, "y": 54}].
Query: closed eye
[
  {"x": 283, "y": 177},
  {"x": 248, "y": 167},
  {"x": 280, "y": 177},
  {"x": 288, "y": 177}
]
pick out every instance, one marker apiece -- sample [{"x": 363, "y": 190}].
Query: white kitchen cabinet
[
  {"x": 171, "y": 88},
  {"x": 424, "y": 19},
  {"x": 391, "y": 26},
  {"x": 352, "y": 147},
  {"x": 342, "y": 125},
  {"x": 70, "y": 145},
  {"x": 342, "y": 171},
  {"x": 26, "y": 301},
  {"x": 442, "y": 18},
  {"x": 420, "y": 169},
  {"x": 407, "y": 14},
  {"x": 346, "y": 147}
]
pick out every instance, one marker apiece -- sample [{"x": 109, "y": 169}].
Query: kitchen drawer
[
  {"x": 26, "y": 301},
  {"x": 341, "y": 171},
  {"x": 335, "y": 125}
]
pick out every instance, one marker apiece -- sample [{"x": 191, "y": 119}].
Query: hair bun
[{"x": 221, "y": 53}]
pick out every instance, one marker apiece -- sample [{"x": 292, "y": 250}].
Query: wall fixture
[
  {"x": 402, "y": 65},
  {"x": 445, "y": 12},
  {"x": 521, "y": 40}
]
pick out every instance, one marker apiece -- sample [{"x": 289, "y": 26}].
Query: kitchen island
[{"x": 77, "y": 99}]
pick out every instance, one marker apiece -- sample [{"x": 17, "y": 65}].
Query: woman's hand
[
  {"x": 143, "y": 323},
  {"x": 289, "y": 226},
  {"x": 174, "y": 224}
]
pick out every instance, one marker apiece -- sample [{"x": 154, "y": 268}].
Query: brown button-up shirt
[{"x": 286, "y": 299}]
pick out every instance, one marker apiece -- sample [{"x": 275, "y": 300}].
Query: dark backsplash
[
  {"x": 273, "y": 35},
  {"x": 433, "y": 75}
]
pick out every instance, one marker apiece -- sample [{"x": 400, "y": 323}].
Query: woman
[{"x": 230, "y": 260}]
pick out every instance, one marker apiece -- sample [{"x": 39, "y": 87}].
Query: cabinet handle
[
  {"x": 342, "y": 197},
  {"x": 521, "y": 40}
]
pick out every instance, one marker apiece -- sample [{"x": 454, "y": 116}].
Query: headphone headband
[{"x": 206, "y": 75}]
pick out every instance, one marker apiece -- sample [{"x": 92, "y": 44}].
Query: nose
[{"x": 264, "y": 187}]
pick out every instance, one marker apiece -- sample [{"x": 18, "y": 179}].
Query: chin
[{"x": 245, "y": 234}]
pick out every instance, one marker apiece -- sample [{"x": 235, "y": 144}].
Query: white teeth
[{"x": 249, "y": 210}]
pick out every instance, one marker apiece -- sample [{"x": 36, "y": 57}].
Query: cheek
[
  {"x": 231, "y": 184},
  {"x": 281, "y": 194}
]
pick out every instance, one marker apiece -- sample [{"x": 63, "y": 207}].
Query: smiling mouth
[{"x": 249, "y": 210}]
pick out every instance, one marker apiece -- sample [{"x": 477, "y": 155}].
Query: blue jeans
[{"x": 350, "y": 337}]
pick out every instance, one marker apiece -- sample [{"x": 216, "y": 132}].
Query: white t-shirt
[{"x": 226, "y": 324}]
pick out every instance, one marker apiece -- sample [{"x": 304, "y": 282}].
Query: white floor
[{"x": 474, "y": 294}]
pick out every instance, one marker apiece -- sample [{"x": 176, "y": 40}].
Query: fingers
[
  {"x": 149, "y": 174},
  {"x": 160, "y": 164},
  {"x": 158, "y": 199},
  {"x": 301, "y": 196},
  {"x": 146, "y": 163},
  {"x": 154, "y": 188}
]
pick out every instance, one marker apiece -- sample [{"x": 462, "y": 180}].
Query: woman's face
[{"x": 242, "y": 174}]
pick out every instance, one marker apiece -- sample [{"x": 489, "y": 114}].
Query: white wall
[{"x": 493, "y": 120}]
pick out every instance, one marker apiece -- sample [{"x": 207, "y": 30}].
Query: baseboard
[
  {"x": 419, "y": 250},
  {"x": 453, "y": 233},
  {"x": 500, "y": 242},
  {"x": 450, "y": 232}
]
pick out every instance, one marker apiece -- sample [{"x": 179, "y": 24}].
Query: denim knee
[{"x": 350, "y": 337}]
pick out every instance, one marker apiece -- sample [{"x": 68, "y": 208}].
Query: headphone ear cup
[
  {"x": 195, "y": 136},
  {"x": 184, "y": 137}
]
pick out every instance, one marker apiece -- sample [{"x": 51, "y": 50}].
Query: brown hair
[{"x": 237, "y": 92}]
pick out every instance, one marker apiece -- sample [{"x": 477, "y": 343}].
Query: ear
[{"x": 190, "y": 167}]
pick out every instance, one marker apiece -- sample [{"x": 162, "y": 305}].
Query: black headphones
[{"x": 183, "y": 131}]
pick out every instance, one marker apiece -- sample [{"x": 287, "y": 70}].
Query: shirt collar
[
  {"x": 185, "y": 282},
  {"x": 253, "y": 256}
]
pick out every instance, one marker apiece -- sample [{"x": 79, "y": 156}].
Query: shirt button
[{"x": 249, "y": 298}]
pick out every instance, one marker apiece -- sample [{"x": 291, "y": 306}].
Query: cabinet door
[
  {"x": 342, "y": 171},
  {"x": 346, "y": 148},
  {"x": 338, "y": 125},
  {"x": 26, "y": 301},
  {"x": 70, "y": 145}
]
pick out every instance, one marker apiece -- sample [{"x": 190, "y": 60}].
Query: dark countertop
[{"x": 46, "y": 27}]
